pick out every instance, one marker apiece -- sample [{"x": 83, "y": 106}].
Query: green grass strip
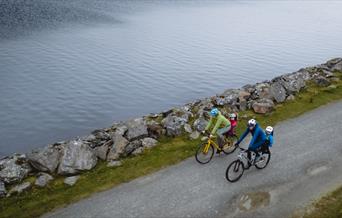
[{"x": 169, "y": 151}]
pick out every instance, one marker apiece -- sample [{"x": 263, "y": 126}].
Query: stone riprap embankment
[{"x": 123, "y": 139}]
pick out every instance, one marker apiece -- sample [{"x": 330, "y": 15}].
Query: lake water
[{"x": 70, "y": 66}]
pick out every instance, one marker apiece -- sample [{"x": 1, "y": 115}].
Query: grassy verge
[
  {"x": 169, "y": 151},
  {"x": 328, "y": 206}
]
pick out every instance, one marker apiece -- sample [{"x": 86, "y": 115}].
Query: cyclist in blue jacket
[{"x": 258, "y": 139}]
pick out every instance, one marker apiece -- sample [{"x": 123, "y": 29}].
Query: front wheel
[
  {"x": 234, "y": 171},
  {"x": 263, "y": 160},
  {"x": 229, "y": 146},
  {"x": 204, "y": 153}
]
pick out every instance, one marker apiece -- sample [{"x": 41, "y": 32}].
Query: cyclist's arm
[
  {"x": 243, "y": 136},
  {"x": 209, "y": 124}
]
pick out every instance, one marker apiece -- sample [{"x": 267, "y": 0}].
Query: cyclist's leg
[{"x": 220, "y": 133}]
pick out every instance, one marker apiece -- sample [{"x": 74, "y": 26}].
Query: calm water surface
[{"x": 68, "y": 67}]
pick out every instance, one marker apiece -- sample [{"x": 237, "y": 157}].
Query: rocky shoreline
[{"x": 123, "y": 139}]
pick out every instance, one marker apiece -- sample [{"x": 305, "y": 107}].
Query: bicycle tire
[
  {"x": 233, "y": 146},
  {"x": 267, "y": 161},
  {"x": 235, "y": 165},
  {"x": 209, "y": 154}
]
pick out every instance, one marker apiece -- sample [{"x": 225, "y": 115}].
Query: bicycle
[
  {"x": 238, "y": 166},
  {"x": 205, "y": 151}
]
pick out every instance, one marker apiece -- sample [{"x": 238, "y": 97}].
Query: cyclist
[
  {"x": 233, "y": 122},
  {"x": 257, "y": 141},
  {"x": 222, "y": 126},
  {"x": 269, "y": 136}
]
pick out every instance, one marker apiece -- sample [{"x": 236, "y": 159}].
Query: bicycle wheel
[
  {"x": 234, "y": 171},
  {"x": 229, "y": 146},
  {"x": 263, "y": 160},
  {"x": 202, "y": 156}
]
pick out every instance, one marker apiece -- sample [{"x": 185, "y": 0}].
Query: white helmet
[
  {"x": 232, "y": 115},
  {"x": 269, "y": 129},
  {"x": 251, "y": 123}
]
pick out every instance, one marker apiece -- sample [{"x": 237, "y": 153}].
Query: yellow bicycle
[{"x": 206, "y": 150}]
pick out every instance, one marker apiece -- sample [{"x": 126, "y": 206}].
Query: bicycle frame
[{"x": 211, "y": 142}]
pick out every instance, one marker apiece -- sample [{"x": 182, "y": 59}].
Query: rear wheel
[
  {"x": 234, "y": 171},
  {"x": 204, "y": 153},
  {"x": 229, "y": 146},
  {"x": 263, "y": 160}
]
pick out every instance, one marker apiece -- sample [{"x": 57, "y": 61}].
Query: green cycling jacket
[{"x": 221, "y": 122}]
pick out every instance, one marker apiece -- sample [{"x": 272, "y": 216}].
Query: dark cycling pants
[{"x": 221, "y": 132}]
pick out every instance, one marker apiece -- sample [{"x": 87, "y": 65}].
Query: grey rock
[
  {"x": 43, "y": 179},
  {"x": 262, "y": 90},
  {"x": 76, "y": 156},
  {"x": 155, "y": 130},
  {"x": 331, "y": 63},
  {"x": 263, "y": 106},
  {"x": 187, "y": 128},
  {"x": 118, "y": 148},
  {"x": 194, "y": 135},
  {"x": 173, "y": 125},
  {"x": 3, "y": 190},
  {"x": 101, "y": 151},
  {"x": 101, "y": 134},
  {"x": 294, "y": 82},
  {"x": 290, "y": 98},
  {"x": 121, "y": 130},
  {"x": 200, "y": 124},
  {"x": 45, "y": 159},
  {"x": 322, "y": 81},
  {"x": 11, "y": 171},
  {"x": 70, "y": 181},
  {"x": 328, "y": 74},
  {"x": 19, "y": 188},
  {"x": 138, "y": 151},
  {"x": 149, "y": 142},
  {"x": 332, "y": 87},
  {"x": 137, "y": 129},
  {"x": 278, "y": 92},
  {"x": 229, "y": 97},
  {"x": 114, "y": 164},
  {"x": 337, "y": 66},
  {"x": 132, "y": 146}
]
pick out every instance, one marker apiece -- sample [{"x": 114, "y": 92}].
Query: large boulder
[
  {"x": 263, "y": 106},
  {"x": 43, "y": 179},
  {"x": 3, "y": 190},
  {"x": 278, "y": 92},
  {"x": 262, "y": 90},
  {"x": 174, "y": 125},
  {"x": 45, "y": 159},
  {"x": 293, "y": 82},
  {"x": 101, "y": 151},
  {"x": 229, "y": 97},
  {"x": 200, "y": 124},
  {"x": 118, "y": 147},
  {"x": 155, "y": 130},
  {"x": 13, "y": 170},
  {"x": 76, "y": 156},
  {"x": 137, "y": 129},
  {"x": 132, "y": 146}
]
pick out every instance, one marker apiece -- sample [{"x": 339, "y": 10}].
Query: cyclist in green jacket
[{"x": 222, "y": 125}]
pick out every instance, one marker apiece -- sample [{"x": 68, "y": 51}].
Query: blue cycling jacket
[
  {"x": 258, "y": 139},
  {"x": 269, "y": 138}
]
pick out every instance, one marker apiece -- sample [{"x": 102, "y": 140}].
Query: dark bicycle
[{"x": 236, "y": 169}]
